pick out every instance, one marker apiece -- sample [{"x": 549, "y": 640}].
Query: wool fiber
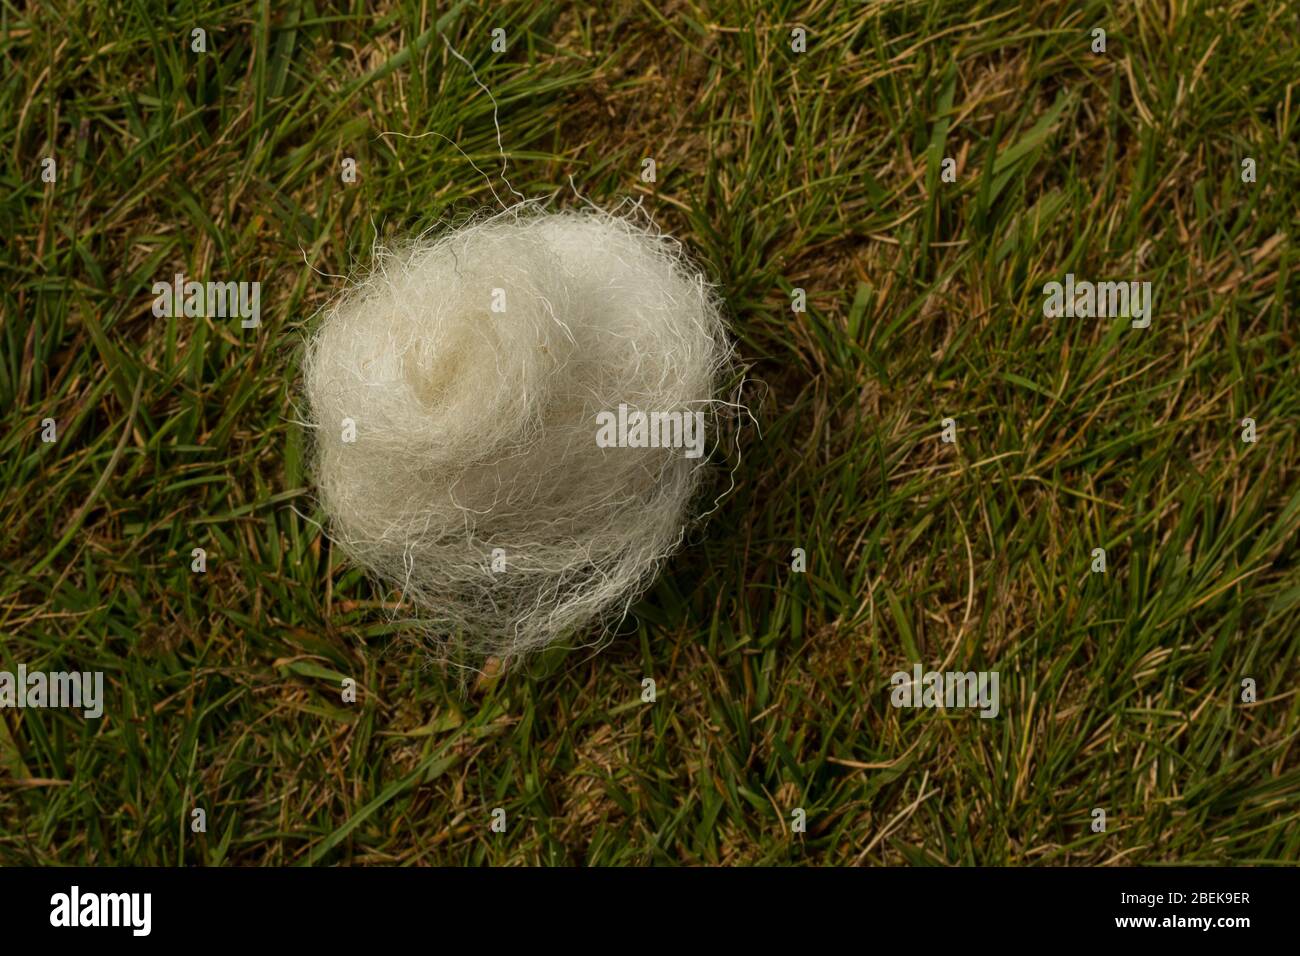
[{"x": 473, "y": 367}]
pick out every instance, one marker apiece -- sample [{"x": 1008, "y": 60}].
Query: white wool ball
[{"x": 476, "y": 368}]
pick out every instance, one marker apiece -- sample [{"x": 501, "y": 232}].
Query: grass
[{"x": 780, "y": 170}]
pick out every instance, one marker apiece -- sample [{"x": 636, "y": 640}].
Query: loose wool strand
[{"x": 455, "y": 393}]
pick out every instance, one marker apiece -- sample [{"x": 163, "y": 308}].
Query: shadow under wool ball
[{"x": 454, "y": 395}]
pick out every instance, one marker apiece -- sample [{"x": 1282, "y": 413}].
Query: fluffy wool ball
[{"x": 455, "y": 396}]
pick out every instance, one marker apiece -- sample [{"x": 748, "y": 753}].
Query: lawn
[{"x": 795, "y": 167}]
